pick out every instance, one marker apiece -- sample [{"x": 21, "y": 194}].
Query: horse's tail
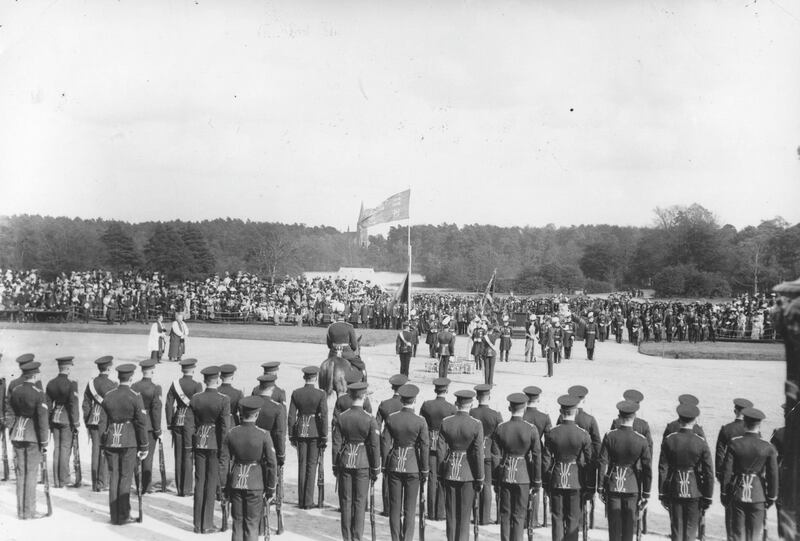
[{"x": 326, "y": 376}]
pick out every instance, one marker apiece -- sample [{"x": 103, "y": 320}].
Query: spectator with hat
[
  {"x": 252, "y": 474},
  {"x": 62, "y": 403},
  {"x": 357, "y": 461},
  {"x": 685, "y": 482},
  {"x": 124, "y": 440},
  {"x": 94, "y": 417},
  {"x": 308, "y": 433},
  {"x": 405, "y": 450},
  {"x": 749, "y": 479},
  {"x": 178, "y": 401},
  {"x": 434, "y": 411},
  {"x": 490, "y": 419},
  {"x": 568, "y": 472},
  {"x": 226, "y": 374},
  {"x": 153, "y": 407},
  {"x": 27, "y": 420},
  {"x": 623, "y": 453},
  {"x": 205, "y": 427},
  {"x": 460, "y": 453}
]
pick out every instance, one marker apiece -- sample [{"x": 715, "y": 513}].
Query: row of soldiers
[{"x": 458, "y": 452}]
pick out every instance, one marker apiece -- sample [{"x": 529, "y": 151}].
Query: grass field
[{"x": 738, "y": 351}]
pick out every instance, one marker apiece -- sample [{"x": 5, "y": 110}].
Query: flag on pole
[
  {"x": 488, "y": 295},
  {"x": 401, "y": 293},
  {"x": 393, "y": 209}
]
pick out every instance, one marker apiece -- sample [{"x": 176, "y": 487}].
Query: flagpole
[{"x": 408, "y": 228}]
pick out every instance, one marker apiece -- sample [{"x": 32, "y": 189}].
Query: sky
[{"x": 511, "y": 113}]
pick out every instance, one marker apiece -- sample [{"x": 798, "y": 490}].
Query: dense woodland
[{"x": 685, "y": 252}]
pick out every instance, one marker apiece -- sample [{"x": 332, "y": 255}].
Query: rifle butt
[
  {"x": 372, "y": 510},
  {"x": 544, "y": 510},
  {"x": 46, "y": 481},
  {"x": 161, "y": 466},
  {"x": 138, "y": 475}
]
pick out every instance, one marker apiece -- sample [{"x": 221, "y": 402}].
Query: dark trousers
[
  {"x": 62, "y": 448},
  {"x": 27, "y": 459},
  {"x": 459, "y": 496},
  {"x": 435, "y": 505},
  {"x": 121, "y": 463},
  {"x": 565, "y": 511},
  {"x": 99, "y": 466},
  {"x": 567, "y": 351},
  {"x": 684, "y": 519},
  {"x": 403, "y": 492},
  {"x": 621, "y": 510},
  {"x": 444, "y": 365},
  {"x": 549, "y": 364},
  {"x": 513, "y": 508},
  {"x": 405, "y": 361},
  {"x": 246, "y": 509},
  {"x": 486, "y": 496},
  {"x": 183, "y": 464},
  {"x": 488, "y": 370},
  {"x": 353, "y": 499},
  {"x": 307, "y": 458},
  {"x": 747, "y": 521},
  {"x": 590, "y": 353},
  {"x": 206, "y": 481},
  {"x": 504, "y": 355},
  {"x": 147, "y": 463}
]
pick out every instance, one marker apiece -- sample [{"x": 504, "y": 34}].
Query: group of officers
[{"x": 231, "y": 447}]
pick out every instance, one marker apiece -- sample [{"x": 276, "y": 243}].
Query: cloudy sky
[{"x": 512, "y": 113}]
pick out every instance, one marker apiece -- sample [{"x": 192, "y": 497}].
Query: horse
[{"x": 336, "y": 369}]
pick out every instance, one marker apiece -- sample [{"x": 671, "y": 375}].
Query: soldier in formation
[
  {"x": 153, "y": 407},
  {"x": 62, "y": 403},
  {"x": 94, "y": 417},
  {"x": 308, "y": 433},
  {"x": 490, "y": 419},
  {"x": 434, "y": 412},
  {"x": 179, "y": 398}
]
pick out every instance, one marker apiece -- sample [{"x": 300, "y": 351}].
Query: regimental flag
[
  {"x": 488, "y": 295},
  {"x": 393, "y": 209},
  {"x": 401, "y": 293}
]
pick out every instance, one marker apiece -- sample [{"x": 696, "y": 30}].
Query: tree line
[{"x": 684, "y": 252}]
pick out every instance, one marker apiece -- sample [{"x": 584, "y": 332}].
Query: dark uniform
[
  {"x": 233, "y": 394},
  {"x": 124, "y": 430},
  {"x": 386, "y": 408},
  {"x": 518, "y": 446},
  {"x": 505, "y": 341},
  {"x": 685, "y": 478},
  {"x": 543, "y": 425},
  {"x": 342, "y": 334},
  {"x": 569, "y": 338},
  {"x": 179, "y": 397},
  {"x": 308, "y": 432},
  {"x": 749, "y": 481},
  {"x": 151, "y": 398},
  {"x": 404, "y": 347},
  {"x": 252, "y": 473},
  {"x": 276, "y": 393},
  {"x": 568, "y": 473},
  {"x": 478, "y": 345},
  {"x": 460, "y": 454},
  {"x": 27, "y": 419},
  {"x": 62, "y": 402},
  {"x": 590, "y": 336},
  {"x": 345, "y": 402},
  {"x": 434, "y": 411},
  {"x": 490, "y": 419},
  {"x": 94, "y": 417},
  {"x": 623, "y": 453},
  {"x": 356, "y": 462},
  {"x": 445, "y": 348},
  {"x": 778, "y": 441},
  {"x": 490, "y": 340},
  {"x": 726, "y": 434},
  {"x": 674, "y": 426},
  {"x": 207, "y": 422},
  {"x": 405, "y": 450}
]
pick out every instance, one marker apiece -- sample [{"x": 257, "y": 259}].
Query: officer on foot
[
  {"x": 357, "y": 460},
  {"x": 26, "y": 418},
  {"x": 590, "y": 336},
  {"x": 151, "y": 398},
  {"x": 460, "y": 452},
  {"x": 226, "y": 373},
  {"x": 405, "y": 450},
  {"x": 207, "y": 422},
  {"x": 685, "y": 485},
  {"x": 445, "y": 346},
  {"x": 94, "y": 418},
  {"x": 404, "y": 347},
  {"x": 124, "y": 440},
  {"x": 518, "y": 445},
  {"x": 568, "y": 471},
  {"x": 543, "y": 425},
  {"x": 622, "y": 454},
  {"x": 277, "y": 394},
  {"x": 434, "y": 411},
  {"x": 252, "y": 474},
  {"x": 62, "y": 402},
  {"x": 179, "y": 397},
  {"x": 749, "y": 479},
  {"x": 490, "y": 419},
  {"x": 530, "y": 339},
  {"x": 569, "y": 337},
  {"x": 308, "y": 432},
  {"x": 505, "y": 340},
  {"x": 386, "y": 408},
  {"x": 490, "y": 342}
]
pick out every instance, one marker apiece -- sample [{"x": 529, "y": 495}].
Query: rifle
[
  {"x": 279, "y": 501},
  {"x": 320, "y": 477},
  {"x": 584, "y": 521},
  {"x": 591, "y": 513},
  {"x": 161, "y": 466},
  {"x": 475, "y": 515},
  {"x": 5, "y": 455},
  {"x": 639, "y": 520},
  {"x": 224, "y": 503},
  {"x": 138, "y": 475},
  {"x": 544, "y": 509},
  {"x": 76, "y": 459},
  {"x": 46, "y": 480},
  {"x": 644, "y": 521},
  {"x": 372, "y": 509},
  {"x": 265, "y": 518},
  {"x": 421, "y": 511},
  {"x": 530, "y": 515},
  {"x": 701, "y": 529}
]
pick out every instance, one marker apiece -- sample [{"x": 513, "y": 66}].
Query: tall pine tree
[
  {"x": 166, "y": 252},
  {"x": 121, "y": 252},
  {"x": 195, "y": 241}
]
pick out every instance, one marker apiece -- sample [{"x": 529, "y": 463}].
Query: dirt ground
[{"x": 615, "y": 368}]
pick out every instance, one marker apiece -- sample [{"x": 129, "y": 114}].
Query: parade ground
[{"x": 616, "y": 367}]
